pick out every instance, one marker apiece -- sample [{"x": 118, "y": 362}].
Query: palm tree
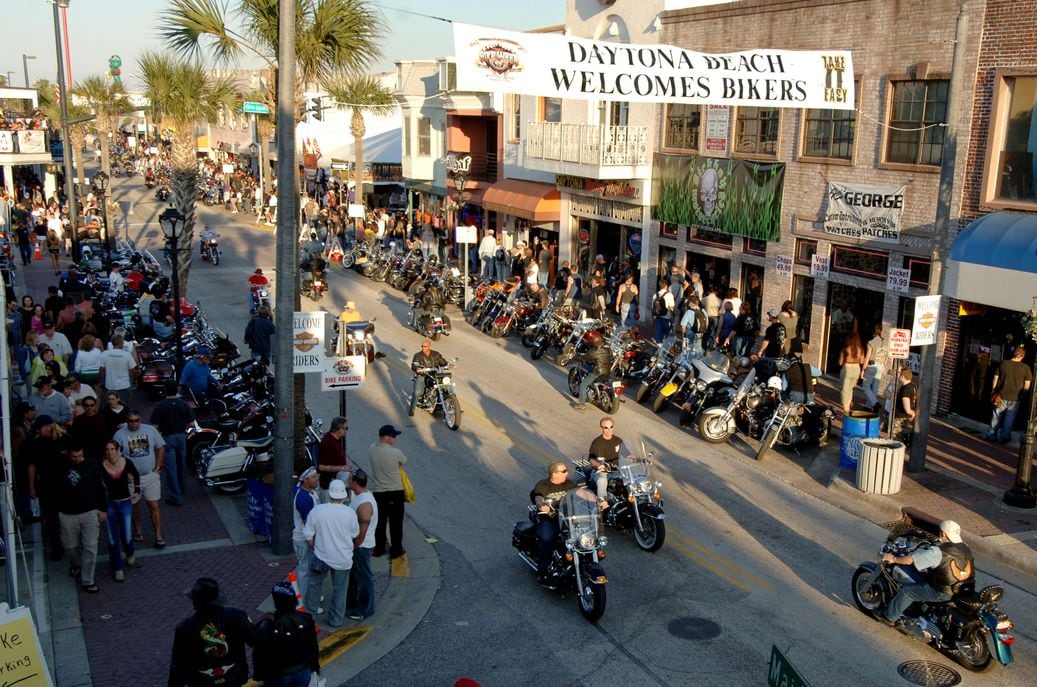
[
  {"x": 363, "y": 95},
  {"x": 183, "y": 93},
  {"x": 76, "y": 132},
  {"x": 107, "y": 100}
]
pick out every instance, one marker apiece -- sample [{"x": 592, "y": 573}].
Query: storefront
[
  {"x": 525, "y": 211},
  {"x": 606, "y": 218}
]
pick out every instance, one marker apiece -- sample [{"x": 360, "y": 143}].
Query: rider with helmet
[
  {"x": 207, "y": 234},
  {"x": 427, "y": 298}
]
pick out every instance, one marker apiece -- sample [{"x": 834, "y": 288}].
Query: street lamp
[
  {"x": 66, "y": 147},
  {"x": 25, "y": 66},
  {"x": 460, "y": 183},
  {"x": 100, "y": 186},
  {"x": 169, "y": 220}
]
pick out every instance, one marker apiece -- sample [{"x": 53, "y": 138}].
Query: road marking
[
  {"x": 763, "y": 584},
  {"x": 341, "y": 641}
]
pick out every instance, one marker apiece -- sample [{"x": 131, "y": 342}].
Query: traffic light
[{"x": 316, "y": 108}]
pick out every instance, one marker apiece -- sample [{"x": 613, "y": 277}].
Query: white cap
[
  {"x": 952, "y": 530},
  {"x": 337, "y": 490}
]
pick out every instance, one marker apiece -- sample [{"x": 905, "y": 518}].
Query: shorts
[{"x": 151, "y": 486}]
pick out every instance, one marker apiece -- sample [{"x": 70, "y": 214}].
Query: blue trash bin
[
  {"x": 857, "y": 425},
  {"x": 261, "y": 505}
]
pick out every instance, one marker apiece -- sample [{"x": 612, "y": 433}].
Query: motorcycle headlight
[
  {"x": 349, "y": 337},
  {"x": 586, "y": 541},
  {"x": 603, "y": 541},
  {"x": 369, "y": 337},
  {"x": 700, "y": 386},
  {"x": 752, "y": 402}
]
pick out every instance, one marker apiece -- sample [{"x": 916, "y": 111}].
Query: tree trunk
[
  {"x": 185, "y": 182},
  {"x": 358, "y": 128},
  {"x": 77, "y": 139}
]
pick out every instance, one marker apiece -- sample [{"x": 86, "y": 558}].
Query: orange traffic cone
[
  {"x": 37, "y": 254},
  {"x": 294, "y": 581}
]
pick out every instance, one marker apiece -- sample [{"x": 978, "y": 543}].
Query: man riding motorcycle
[
  {"x": 426, "y": 299},
  {"x": 547, "y": 493},
  {"x": 538, "y": 295},
  {"x": 311, "y": 267},
  {"x": 603, "y": 456},
  {"x": 600, "y": 356},
  {"x": 426, "y": 357},
  {"x": 207, "y": 234},
  {"x": 945, "y": 568}
]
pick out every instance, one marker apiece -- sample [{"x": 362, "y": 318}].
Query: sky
[{"x": 100, "y": 28}]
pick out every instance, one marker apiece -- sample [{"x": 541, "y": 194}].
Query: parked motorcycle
[
  {"x": 690, "y": 382},
  {"x": 970, "y": 628},
  {"x": 635, "y": 502},
  {"x": 796, "y": 424},
  {"x": 586, "y": 334},
  {"x": 717, "y": 424},
  {"x": 575, "y": 556},
  {"x": 439, "y": 393},
  {"x": 226, "y": 462},
  {"x": 211, "y": 249}
]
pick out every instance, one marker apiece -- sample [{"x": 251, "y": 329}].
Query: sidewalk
[{"x": 85, "y": 636}]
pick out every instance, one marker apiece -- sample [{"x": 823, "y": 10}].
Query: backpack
[
  {"x": 500, "y": 254},
  {"x": 701, "y": 321},
  {"x": 659, "y": 305}
]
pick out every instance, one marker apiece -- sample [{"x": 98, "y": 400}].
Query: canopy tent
[{"x": 994, "y": 262}]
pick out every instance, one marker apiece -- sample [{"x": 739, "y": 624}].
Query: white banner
[
  {"x": 6, "y": 141},
  {"x": 566, "y": 66},
  {"x": 927, "y": 320},
  {"x": 308, "y": 341},
  {"x": 340, "y": 374},
  {"x": 31, "y": 142},
  {"x": 865, "y": 212}
]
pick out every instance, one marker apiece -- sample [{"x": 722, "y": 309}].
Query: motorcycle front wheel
[
  {"x": 714, "y": 428},
  {"x": 567, "y": 355},
  {"x": 651, "y": 535},
  {"x": 643, "y": 392},
  {"x": 973, "y": 651},
  {"x": 592, "y": 600},
  {"x": 869, "y": 599},
  {"x": 413, "y": 404},
  {"x": 452, "y": 412},
  {"x": 574, "y": 381},
  {"x": 528, "y": 339},
  {"x": 660, "y": 403},
  {"x": 768, "y": 440},
  {"x": 216, "y": 258},
  {"x": 497, "y": 331},
  {"x": 538, "y": 350}
]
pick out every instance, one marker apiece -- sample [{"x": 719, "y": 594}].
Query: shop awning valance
[
  {"x": 994, "y": 262},
  {"x": 527, "y": 199}
]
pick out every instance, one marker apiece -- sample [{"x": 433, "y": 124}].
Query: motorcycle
[
  {"x": 359, "y": 339},
  {"x": 663, "y": 362},
  {"x": 586, "y": 334},
  {"x": 603, "y": 393},
  {"x": 635, "y": 502},
  {"x": 575, "y": 555},
  {"x": 690, "y": 382},
  {"x": 162, "y": 194},
  {"x": 795, "y": 424},
  {"x": 314, "y": 284},
  {"x": 226, "y": 461},
  {"x": 969, "y": 628},
  {"x": 439, "y": 393},
  {"x": 717, "y": 424},
  {"x": 211, "y": 250}
]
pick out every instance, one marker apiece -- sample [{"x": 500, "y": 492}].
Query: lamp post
[
  {"x": 66, "y": 149},
  {"x": 25, "y": 66},
  {"x": 460, "y": 183},
  {"x": 170, "y": 220},
  {"x": 100, "y": 186}
]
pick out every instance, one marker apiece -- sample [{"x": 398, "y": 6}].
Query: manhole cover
[
  {"x": 928, "y": 673},
  {"x": 698, "y": 629}
]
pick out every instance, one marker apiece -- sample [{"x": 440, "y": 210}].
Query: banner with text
[
  {"x": 490, "y": 59},
  {"x": 737, "y": 197},
  {"x": 865, "y": 212}
]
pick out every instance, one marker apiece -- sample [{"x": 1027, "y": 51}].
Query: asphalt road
[{"x": 749, "y": 561}]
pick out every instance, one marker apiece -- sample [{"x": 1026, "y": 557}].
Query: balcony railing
[
  {"x": 483, "y": 166},
  {"x": 588, "y": 144}
]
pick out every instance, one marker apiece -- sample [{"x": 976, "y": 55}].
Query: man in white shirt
[
  {"x": 330, "y": 530},
  {"x": 118, "y": 369},
  {"x": 116, "y": 282},
  {"x": 360, "y": 594},
  {"x": 487, "y": 247},
  {"x": 57, "y": 341}
]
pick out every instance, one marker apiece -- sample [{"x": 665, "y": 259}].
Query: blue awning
[{"x": 994, "y": 262}]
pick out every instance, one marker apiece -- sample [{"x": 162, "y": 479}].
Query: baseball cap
[
  {"x": 337, "y": 490},
  {"x": 307, "y": 473},
  {"x": 258, "y": 271},
  {"x": 952, "y": 530},
  {"x": 389, "y": 431},
  {"x": 773, "y": 314}
]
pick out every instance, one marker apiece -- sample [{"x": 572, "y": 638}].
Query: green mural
[{"x": 738, "y": 197}]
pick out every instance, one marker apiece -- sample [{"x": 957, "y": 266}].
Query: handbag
[{"x": 408, "y": 488}]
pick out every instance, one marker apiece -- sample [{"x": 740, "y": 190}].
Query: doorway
[
  {"x": 865, "y": 307},
  {"x": 987, "y": 336},
  {"x": 752, "y": 289},
  {"x": 715, "y": 272}
]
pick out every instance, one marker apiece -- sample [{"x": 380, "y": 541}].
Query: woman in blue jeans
[{"x": 122, "y": 482}]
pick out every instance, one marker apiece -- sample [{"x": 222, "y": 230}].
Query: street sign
[
  {"x": 340, "y": 374},
  {"x": 254, "y": 108},
  {"x": 308, "y": 341},
  {"x": 899, "y": 343},
  {"x": 466, "y": 235},
  {"x": 819, "y": 266},
  {"x": 781, "y": 673},
  {"x": 783, "y": 265},
  {"x": 21, "y": 656},
  {"x": 927, "y": 317},
  {"x": 898, "y": 279}
]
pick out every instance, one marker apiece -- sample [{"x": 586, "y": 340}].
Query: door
[
  {"x": 752, "y": 289},
  {"x": 850, "y": 309}
]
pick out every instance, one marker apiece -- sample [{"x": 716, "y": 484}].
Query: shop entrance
[
  {"x": 608, "y": 241},
  {"x": 715, "y": 272},
  {"x": 863, "y": 305},
  {"x": 988, "y": 336},
  {"x": 752, "y": 290}
]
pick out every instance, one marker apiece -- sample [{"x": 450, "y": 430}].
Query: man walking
[
  {"x": 171, "y": 417},
  {"x": 1011, "y": 381},
  {"x": 360, "y": 594},
  {"x": 210, "y": 644},
  {"x": 387, "y": 486},
  {"x": 83, "y": 506},
  {"x": 304, "y": 498},
  {"x": 145, "y": 447},
  {"x": 118, "y": 368},
  {"x": 258, "y": 333},
  {"x": 487, "y": 247},
  {"x": 330, "y": 531}
]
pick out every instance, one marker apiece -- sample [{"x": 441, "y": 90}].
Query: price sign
[
  {"x": 466, "y": 235},
  {"x": 898, "y": 279},
  {"x": 783, "y": 265},
  {"x": 819, "y": 266},
  {"x": 899, "y": 343}
]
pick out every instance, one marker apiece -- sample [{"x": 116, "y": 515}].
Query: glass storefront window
[
  {"x": 683, "y": 122},
  {"x": 864, "y": 263},
  {"x": 1016, "y": 163},
  {"x": 920, "y": 269},
  {"x": 756, "y": 130},
  {"x": 712, "y": 238}
]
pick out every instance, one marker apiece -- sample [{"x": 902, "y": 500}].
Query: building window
[
  {"x": 424, "y": 136},
  {"x": 1012, "y": 149},
  {"x": 920, "y": 269},
  {"x": 756, "y": 130},
  {"x": 550, "y": 109},
  {"x": 915, "y": 136},
  {"x": 515, "y": 117},
  {"x": 683, "y": 123},
  {"x": 829, "y": 133},
  {"x": 668, "y": 230},
  {"x": 710, "y": 238},
  {"x": 805, "y": 249},
  {"x": 613, "y": 113},
  {"x": 754, "y": 246},
  {"x": 864, "y": 263}
]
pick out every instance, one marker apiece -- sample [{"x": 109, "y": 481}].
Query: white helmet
[{"x": 774, "y": 383}]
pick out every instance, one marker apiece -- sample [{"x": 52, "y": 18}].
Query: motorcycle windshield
[
  {"x": 717, "y": 362},
  {"x": 578, "y": 511},
  {"x": 746, "y": 384}
]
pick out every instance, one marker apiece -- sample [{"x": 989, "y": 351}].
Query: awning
[
  {"x": 526, "y": 199},
  {"x": 994, "y": 262}
]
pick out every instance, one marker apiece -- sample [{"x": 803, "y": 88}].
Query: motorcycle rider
[
  {"x": 256, "y": 282},
  {"x": 197, "y": 376},
  {"x": 800, "y": 379},
  {"x": 314, "y": 245},
  {"x": 947, "y": 567},
  {"x": 538, "y": 294},
  {"x": 426, "y": 357},
  {"x": 207, "y": 234},
  {"x": 603, "y": 456},
  {"x": 600, "y": 356},
  {"x": 311, "y": 268},
  {"x": 427, "y": 298},
  {"x": 546, "y": 494}
]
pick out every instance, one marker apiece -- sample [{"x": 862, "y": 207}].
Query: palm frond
[
  {"x": 340, "y": 35},
  {"x": 190, "y": 26},
  {"x": 357, "y": 91}
]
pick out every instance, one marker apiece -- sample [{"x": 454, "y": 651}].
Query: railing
[
  {"x": 483, "y": 167},
  {"x": 587, "y": 144}
]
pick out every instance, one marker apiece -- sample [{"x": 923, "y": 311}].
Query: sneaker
[
  {"x": 119, "y": 576},
  {"x": 131, "y": 561},
  {"x": 579, "y": 406},
  {"x": 355, "y": 616}
]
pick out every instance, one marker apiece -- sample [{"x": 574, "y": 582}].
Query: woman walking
[
  {"x": 626, "y": 301},
  {"x": 851, "y": 363},
  {"x": 122, "y": 481}
]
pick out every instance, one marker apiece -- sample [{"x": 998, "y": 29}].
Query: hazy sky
[{"x": 101, "y": 28}]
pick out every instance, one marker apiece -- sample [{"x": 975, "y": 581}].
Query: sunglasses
[
  {"x": 607, "y": 426},
  {"x": 563, "y": 470}
]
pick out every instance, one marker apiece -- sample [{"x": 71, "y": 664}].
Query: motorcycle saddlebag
[
  {"x": 524, "y": 532},
  {"x": 229, "y": 461}
]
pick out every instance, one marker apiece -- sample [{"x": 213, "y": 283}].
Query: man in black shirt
[
  {"x": 171, "y": 417},
  {"x": 774, "y": 337},
  {"x": 1012, "y": 379},
  {"x": 547, "y": 493},
  {"x": 426, "y": 357},
  {"x": 82, "y": 508},
  {"x": 603, "y": 457},
  {"x": 211, "y": 641}
]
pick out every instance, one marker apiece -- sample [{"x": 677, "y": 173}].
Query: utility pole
[
  {"x": 66, "y": 149},
  {"x": 287, "y": 280},
  {"x": 941, "y": 241}
]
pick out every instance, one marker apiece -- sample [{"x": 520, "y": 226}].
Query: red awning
[{"x": 527, "y": 199}]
